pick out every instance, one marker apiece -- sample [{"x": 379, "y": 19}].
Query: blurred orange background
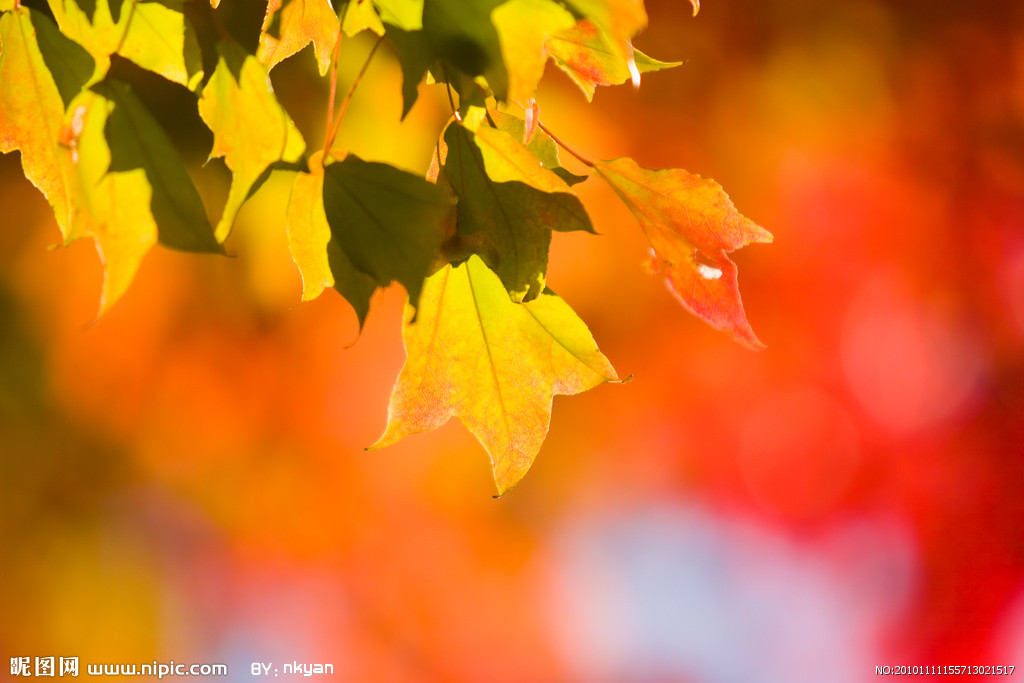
[{"x": 185, "y": 479}]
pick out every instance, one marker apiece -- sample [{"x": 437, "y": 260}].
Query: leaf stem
[
  {"x": 451, "y": 100},
  {"x": 564, "y": 146},
  {"x": 127, "y": 27},
  {"x": 218, "y": 24},
  {"x": 336, "y": 125},
  {"x": 334, "y": 86}
]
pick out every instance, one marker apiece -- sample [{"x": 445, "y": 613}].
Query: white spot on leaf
[
  {"x": 634, "y": 72},
  {"x": 709, "y": 272}
]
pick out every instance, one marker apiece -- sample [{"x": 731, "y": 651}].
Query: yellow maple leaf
[
  {"x": 250, "y": 128},
  {"x": 474, "y": 354}
]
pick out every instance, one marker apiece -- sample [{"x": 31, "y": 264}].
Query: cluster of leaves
[{"x": 486, "y": 340}]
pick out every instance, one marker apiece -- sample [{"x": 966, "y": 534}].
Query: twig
[
  {"x": 336, "y": 125},
  {"x": 564, "y": 146},
  {"x": 218, "y": 24},
  {"x": 334, "y": 86},
  {"x": 127, "y": 27}
]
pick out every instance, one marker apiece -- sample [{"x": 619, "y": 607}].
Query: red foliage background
[{"x": 185, "y": 479}]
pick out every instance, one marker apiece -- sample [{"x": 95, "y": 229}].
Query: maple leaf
[
  {"x": 105, "y": 167},
  {"x": 584, "y": 55},
  {"x": 308, "y": 231},
  {"x": 33, "y": 98},
  {"x": 496, "y": 365},
  {"x": 112, "y": 207},
  {"x": 321, "y": 260},
  {"x": 524, "y": 29},
  {"x": 461, "y": 33},
  {"x": 136, "y": 141},
  {"x": 617, "y": 21},
  {"x": 541, "y": 145},
  {"x": 388, "y": 223},
  {"x": 70, "y": 65},
  {"x": 414, "y": 57},
  {"x": 358, "y": 16},
  {"x": 154, "y": 35},
  {"x": 291, "y": 27},
  {"x": 692, "y": 225},
  {"x": 404, "y": 14},
  {"x": 508, "y": 205},
  {"x": 456, "y": 42},
  {"x": 250, "y": 129}
]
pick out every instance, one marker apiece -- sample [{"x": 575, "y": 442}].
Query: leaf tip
[
  {"x": 359, "y": 335},
  {"x": 504, "y": 485},
  {"x": 392, "y": 435},
  {"x": 744, "y": 335},
  {"x": 755, "y": 234}
]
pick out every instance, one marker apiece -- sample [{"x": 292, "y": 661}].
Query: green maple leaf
[
  {"x": 136, "y": 141},
  {"x": 457, "y": 43},
  {"x": 508, "y": 205},
  {"x": 388, "y": 223},
  {"x": 414, "y": 57},
  {"x": 320, "y": 258},
  {"x": 460, "y": 33}
]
